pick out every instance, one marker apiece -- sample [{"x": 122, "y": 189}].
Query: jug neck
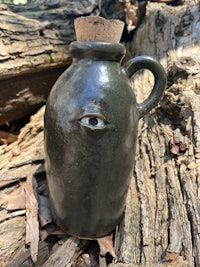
[{"x": 97, "y": 51}]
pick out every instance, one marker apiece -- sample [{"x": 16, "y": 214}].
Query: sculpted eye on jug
[{"x": 91, "y": 123}]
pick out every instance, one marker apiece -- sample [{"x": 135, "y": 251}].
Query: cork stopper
[{"x": 98, "y": 29}]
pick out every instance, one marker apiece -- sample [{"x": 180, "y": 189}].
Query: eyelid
[{"x": 93, "y": 115}]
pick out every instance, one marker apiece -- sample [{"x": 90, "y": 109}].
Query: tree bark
[
  {"x": 162, "y": 217},
  {"x": 34, "y": 52},
  {"x": 163, "y": 207}
]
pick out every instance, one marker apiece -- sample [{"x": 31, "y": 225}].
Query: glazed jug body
[{"x": 91, "y": 122}]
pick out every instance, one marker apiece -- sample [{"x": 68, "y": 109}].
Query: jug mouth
[{"x": 97, "y": 50}]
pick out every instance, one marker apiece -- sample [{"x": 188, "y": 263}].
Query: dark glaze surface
[{"x": 90, "y": 135}]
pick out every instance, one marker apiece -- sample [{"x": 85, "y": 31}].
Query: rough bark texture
[
  {"x": 163, "y": 211},
  {"x": 162, "y": 217},
  {"x": 34, "y": 52}
]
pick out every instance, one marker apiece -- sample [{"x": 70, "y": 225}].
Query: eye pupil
[{"x": 93, "y": 121}]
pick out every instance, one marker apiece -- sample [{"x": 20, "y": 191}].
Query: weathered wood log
[
  {"x": 34, "y": 52},
  {"x": 34, "y": 45},
  {"x": 163, "y": 207},
  {"x": 32, "y": 58},
  {"x": 162, "y": 217},
  {"x": 34, "y": 49}
]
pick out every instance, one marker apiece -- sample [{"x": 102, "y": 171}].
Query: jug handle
[{"x": 149, "y": 63}]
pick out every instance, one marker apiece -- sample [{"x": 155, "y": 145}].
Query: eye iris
[{"x": 93, "y": 121}]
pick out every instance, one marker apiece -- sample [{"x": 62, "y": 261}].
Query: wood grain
[{"x": 161, "y": 222}]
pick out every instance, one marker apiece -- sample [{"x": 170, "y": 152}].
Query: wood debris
[
  {"x": 7, "y": 138},
  {"x": 32, "y": 224},
  {"x": 17, "y": 202},
  {"x": 106, "y": 246}
]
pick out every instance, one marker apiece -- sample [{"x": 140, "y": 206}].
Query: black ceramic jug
[{"x": 91, "y": 123}]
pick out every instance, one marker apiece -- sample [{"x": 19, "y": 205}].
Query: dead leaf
[
  {"x": 87, "y": 259},
  {"x": 177, "y": 144},
  {"x": 171, "y": 256},
  {"x": 106, "y": 245},
  {"x": 175, "y": 149},
  {"x": 16, "y": 151},
  {"x": 43, "y": 190},
  {"x": 17, "y": 202},
  {"x": 51, "y": 229},
  {"x": 183, "y": 147},
  {"x": 45, "y": 215},
  {"x": 32, "y": 224},
  {"x": 7, "y": 138},
  {"x": 43, "y": 235}
]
